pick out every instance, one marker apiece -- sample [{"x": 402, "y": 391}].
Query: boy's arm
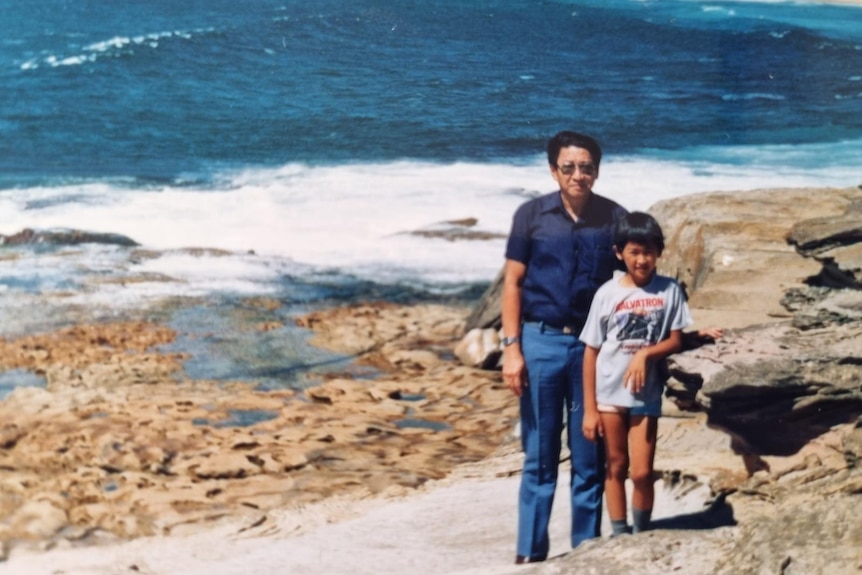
[
  {"x": 592, "y": 425},
  {"x": 695, "y": 339},
  {"x": 635, "y": 376}
]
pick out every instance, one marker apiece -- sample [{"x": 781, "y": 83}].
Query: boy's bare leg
[
  {"x": 617, "y": 453},
  {"x": 642, "y": 442}
]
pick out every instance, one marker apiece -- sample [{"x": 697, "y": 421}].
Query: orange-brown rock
[{"x": 120, "y": 442}]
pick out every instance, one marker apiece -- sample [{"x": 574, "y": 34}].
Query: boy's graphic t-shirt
[{"x": 624, "y": 320}]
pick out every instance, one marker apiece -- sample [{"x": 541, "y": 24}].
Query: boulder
[
  {"x": 486, "y": 314},
  {"x": 731, "y": 250},
  {"x": 479, "y": 348}
]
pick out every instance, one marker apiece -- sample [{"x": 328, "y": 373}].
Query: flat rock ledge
[{"x": 118, "y": 445}]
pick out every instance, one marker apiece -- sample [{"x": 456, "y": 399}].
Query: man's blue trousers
[{"x": 554, "y": 363}]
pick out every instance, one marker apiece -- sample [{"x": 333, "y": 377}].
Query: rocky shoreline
[
  {"x": 119, "y": 444},
  {"x": 116, "y": 447}
]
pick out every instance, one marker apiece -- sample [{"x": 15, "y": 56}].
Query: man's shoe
[{"x": 520, "y": 559}]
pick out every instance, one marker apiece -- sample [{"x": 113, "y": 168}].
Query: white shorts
[{"x": 650, "y": 409}]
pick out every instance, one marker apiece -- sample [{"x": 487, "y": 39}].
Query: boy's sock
[
  {"x": 619, "y": 527},
  {"x": 640, "y": 519}
]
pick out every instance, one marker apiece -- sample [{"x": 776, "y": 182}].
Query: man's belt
[{"x": 546, "y": 327}]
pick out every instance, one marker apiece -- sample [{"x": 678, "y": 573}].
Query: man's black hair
[
  {"x": 566, "y": 139},
  {"x": 640, "y": 228}
]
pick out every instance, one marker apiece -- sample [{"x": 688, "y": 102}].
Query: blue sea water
[
  {"x": 167, "y": 91},
  {"x": 315, "y": 134}
]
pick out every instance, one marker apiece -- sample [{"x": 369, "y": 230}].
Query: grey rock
[
  {"x": 456, "y": 230},
  {"x": 798, "y": 547},
  {"x": 486, "y": 314},
  {"x": 836, "y": 242},
  {"x": 479, "y": 348},
  {"x": 776, "y": 387},
  {"x": 842, "y": 266},
  {"x": 64, "y": 237},
  {"x": 816, "y": 235}
]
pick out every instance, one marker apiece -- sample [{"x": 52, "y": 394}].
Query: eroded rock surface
[{"x": 119, "y": 444}]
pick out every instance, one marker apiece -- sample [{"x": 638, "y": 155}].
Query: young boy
[{"x": 635, "y": 320}]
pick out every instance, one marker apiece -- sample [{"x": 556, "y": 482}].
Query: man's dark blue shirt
[{"x": 566, "y": 261}]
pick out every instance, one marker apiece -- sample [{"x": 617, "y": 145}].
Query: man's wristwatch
[{"x": 507, "y": 341}]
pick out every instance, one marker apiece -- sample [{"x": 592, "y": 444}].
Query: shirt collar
[{"x": 554, "y": 202}]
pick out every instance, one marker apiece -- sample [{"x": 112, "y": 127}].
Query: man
[{"x": 559, "y": 252}]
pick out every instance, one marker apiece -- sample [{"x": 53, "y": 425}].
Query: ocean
[{"x": 311, "y": 138}]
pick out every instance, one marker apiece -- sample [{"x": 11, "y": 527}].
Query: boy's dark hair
[
  {"x": 566, "y": 139},
  {"x": 640, "y": 228}
]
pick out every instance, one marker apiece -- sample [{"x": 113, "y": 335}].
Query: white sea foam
[
  {"x": 113, "y": 43},
  {"x": 721, "y": 9},
  {"x": 191, "y": 275},
  {"x": 110, "y": 47},
  {"x": 357, "y": 219},
  {"x": 752, "y": 96}
]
